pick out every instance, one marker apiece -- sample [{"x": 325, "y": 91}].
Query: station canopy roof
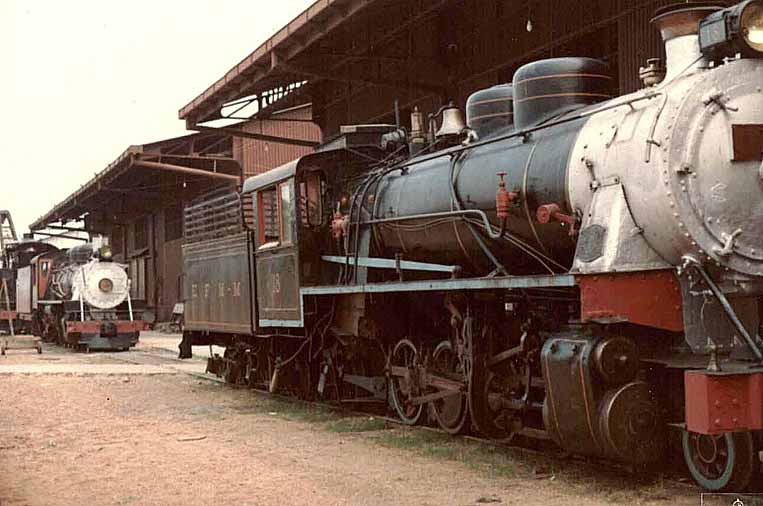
[
  {"x": 354, "y": 59},
  {"x": 332, "y": 40},
  {"x": 146, "y": 177}
]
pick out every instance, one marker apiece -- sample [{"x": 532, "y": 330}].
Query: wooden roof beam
[
  {"x": 377, "y": 81},
  {"x": 197, "y": 111},
  {"x": 250, "y": 135}
]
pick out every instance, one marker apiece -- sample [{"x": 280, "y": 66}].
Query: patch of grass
[
  {"x": 410, "y": 439},
  {"x": 292, "y": 411},
  {"x": 654, "y": 492},
  {"x": 325, "y": 417},
  {"x": 308, "y": 414},
  {"x": 357, "y": 424},
  {"x": 480, "y": 457},
  {"x": 576, "y": 478},
  {"x": 298, "y": 412}
]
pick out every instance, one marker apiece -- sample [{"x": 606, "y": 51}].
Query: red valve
[
  {"x": 548, "y": 212},
  {"x": 503, "y": 198}
]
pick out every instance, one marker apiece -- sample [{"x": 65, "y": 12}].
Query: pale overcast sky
[{"x": 80, "y": 80}]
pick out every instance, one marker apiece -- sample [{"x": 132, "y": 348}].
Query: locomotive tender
[{"x": 571, "y": 266}]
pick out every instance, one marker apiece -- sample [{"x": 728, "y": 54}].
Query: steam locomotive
[
  {"x": 77, "y": 297},
  {"x": 567, "y": 266}
]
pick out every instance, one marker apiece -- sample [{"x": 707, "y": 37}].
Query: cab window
[
  {"x": 287, "y": 212},
  {"x": 310, "y": 201},
  {"x": 276, "y": 215},
  {"x": 267, "y": 201}
]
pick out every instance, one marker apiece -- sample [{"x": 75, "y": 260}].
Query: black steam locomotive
[{"x": 564, "y": 265}]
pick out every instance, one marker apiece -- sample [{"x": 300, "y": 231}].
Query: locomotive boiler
[
  {"x": 678, "y": 162},
  {"x": 563, "y": 265}
]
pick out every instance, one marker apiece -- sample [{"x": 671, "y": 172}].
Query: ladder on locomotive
[
  {"x": 5, "y": 299},
  {"x": 8, "y": 237},
  {"x": 7, "y": 232},
  {"x": 10, "y": 313}
]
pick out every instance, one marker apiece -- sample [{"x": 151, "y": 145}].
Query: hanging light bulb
[{"x": 529, "y": 25}]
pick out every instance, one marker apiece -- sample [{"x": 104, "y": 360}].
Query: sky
[{"x": 81, "y": 80}]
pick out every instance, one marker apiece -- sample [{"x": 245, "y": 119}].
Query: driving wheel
[
  {"x": 402, "y": 389},
  {"x": 450, "y": 412}
]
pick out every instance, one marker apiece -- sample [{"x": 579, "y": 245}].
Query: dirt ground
[{"x": 99, "y": 429}]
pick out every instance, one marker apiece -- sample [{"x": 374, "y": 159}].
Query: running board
[{"x": 391, "y": 263}]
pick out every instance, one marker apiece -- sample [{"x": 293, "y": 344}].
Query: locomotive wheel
[
  {"x": 185, "y": 348},
  {"x": 231, "y": 369},
  {"x": 304, "y": 379},
  {"x": 483, "y": 382},
  {"x": 451, "y": 412},
  {"x": 401, "y": 390},
  {"x": 252, "y": 369},
  {"x": 757, "y": 481},
  {"x": 60, "y": 335},
  {"x": 231, "y": 373},
  {"x": 256, "y": 374},
  {"x": 343, "y": 365},
  {"x": 484, "y": 416},
  {"x": 720, "y": 463}
]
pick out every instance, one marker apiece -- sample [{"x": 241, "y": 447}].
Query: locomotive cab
[
  {"x": 276, "y": 247},
  {"x": 290, "y": 220},
  {"x": 40, "y": 270}
]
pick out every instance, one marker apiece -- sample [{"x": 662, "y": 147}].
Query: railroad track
[{"x": 164, "y": 357}]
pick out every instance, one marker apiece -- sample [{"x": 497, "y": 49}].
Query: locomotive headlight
[
  {"x": 752, "y": 26},
  {"x": 105, "y": 253},
  {"x": 106, "y": 285},
  {"x": 738, "y": 29}
]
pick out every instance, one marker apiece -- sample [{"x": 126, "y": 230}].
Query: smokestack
[{"x": 679, "y": 26}]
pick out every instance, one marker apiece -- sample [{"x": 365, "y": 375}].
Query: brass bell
[{"x": 452, "y": 121}]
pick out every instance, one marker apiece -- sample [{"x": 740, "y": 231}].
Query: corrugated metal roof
[
  {"x": 272, "y": 176},
  {"x": 257, "y": 156},
  {"x": 83, "y": 199},
  {"x": 262, "y": 65},
  {"x": 111, "y": 170},
  {"x": 425, "y": 52}
]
